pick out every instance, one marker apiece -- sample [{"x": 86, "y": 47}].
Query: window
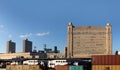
[
  {"x": 52, "y": 64},
  {"x": 107, "y": 68}
]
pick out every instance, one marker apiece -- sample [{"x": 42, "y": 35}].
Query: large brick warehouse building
[{"x": 84, "y": 41}]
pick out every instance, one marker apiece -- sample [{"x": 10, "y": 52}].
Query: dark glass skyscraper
[
  {"x": 27, "y": 45},
  {"x": 11, "y": 47}
]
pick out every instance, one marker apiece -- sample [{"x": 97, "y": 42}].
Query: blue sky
[{"x": 45, "y": 21}]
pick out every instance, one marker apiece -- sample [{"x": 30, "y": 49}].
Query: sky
[{"x": 46, "y": 21}]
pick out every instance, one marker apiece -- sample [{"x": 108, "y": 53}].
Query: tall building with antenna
[{"x": 85, "y": 41}]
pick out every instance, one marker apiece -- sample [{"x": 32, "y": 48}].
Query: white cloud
[
  {"x": 25, "y": 35},
  {"x": 10, "y": 36},
  {"x": 3, "y": 30},
  {"x": 1, "y": 26},
  {"x": 43, "y": 34},
  {"x": 31, "y": 34}
]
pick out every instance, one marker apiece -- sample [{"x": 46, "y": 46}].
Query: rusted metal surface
[
  {"x": 106, "y": 60},
  {"x": 106, "y": 67}
]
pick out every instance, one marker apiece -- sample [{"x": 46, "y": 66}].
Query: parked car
[{"x": 30, "y": 62}]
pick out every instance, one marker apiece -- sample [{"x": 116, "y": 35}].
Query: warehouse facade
[{"x": 85, "y": 41}]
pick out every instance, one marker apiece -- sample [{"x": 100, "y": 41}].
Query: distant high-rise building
[
  {"x": 27, "y": 46},
  {"x": 55, "y": 49},
  {"x": 85, "y": 41},
  {"x": 11, "y": 47}
]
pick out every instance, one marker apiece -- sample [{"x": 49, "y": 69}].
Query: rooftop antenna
[{"x": 44, "y": 46}]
